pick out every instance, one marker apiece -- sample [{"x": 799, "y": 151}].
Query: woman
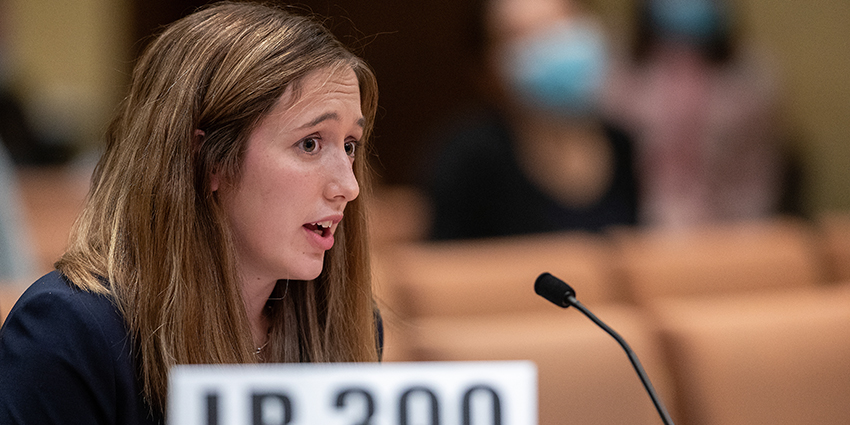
[{"x": 223, "y": 225}]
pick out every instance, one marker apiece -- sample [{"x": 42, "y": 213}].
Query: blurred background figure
[
  {"x": 538, "y": 157},
  {"x": 16, "y": 143},
  {"x": 703, "y": 108},
  {"x": 16, "y": 262}
]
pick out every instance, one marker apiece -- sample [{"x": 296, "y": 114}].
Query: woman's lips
[
  {"x": 322, "y": 228},
  {"x": 321, "y": 233}
]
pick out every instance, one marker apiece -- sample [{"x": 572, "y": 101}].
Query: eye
[
  {"x": 309, "y": 145},
  {"x": 351, "y": 147}
]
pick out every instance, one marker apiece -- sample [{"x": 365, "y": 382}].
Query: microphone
[{"x": 561, "y": 294}]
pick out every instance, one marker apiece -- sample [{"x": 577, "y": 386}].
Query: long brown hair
[{"x": 152, "y": 235}]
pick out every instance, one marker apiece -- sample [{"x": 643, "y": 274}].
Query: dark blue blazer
[{"x": 66, "y": 358}]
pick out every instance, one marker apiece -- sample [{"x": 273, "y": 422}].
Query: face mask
[
  {"x": 559, "y": 71},
  {"x": 696, "y": 21}
]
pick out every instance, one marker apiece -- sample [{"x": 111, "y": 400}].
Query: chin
[{"x": 309, "y": 270}]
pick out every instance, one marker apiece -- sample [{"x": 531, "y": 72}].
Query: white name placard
[{"x": 446, "y": 393}]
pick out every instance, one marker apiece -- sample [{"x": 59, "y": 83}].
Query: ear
[
  {"x": 215, "y": 181},
  {"x": 197, "y": 141}
]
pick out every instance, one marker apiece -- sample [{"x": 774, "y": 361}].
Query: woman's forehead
[{"x": 315, "y": 92}]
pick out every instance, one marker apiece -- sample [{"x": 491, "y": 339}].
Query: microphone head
[{"x": 553, "y": 289}]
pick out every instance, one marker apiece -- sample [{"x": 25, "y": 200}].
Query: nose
[{"x": 342, "y": 183}]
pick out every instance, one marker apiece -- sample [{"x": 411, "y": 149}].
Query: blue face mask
[
  {"x": 694, "y": 21},
  {"x": 560, "y": 71}
]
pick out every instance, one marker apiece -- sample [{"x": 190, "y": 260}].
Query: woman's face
[{"x": 297, "y": 177}]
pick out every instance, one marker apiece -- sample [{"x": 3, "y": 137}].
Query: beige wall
[
  {"x": 812, "y": 43},
  {"x": 70, "y": 61}
]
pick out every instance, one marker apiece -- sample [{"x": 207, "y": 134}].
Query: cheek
[
  {"x": 267, "y": 213},
  {"x": 281, "y": 198},
  {"x": 286, "y": 186}
]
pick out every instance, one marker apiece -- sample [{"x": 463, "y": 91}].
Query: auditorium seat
[
  {"x": 398, "y": 213},
  {"x": 396, "y": 325},
  {"x": 584, "y": 376},
  {"x": 772, "y": 358},
  {"x": 488, "y": 276},
  {"x": 834, "y": 230},
  {"x": 723, "y": 258}
]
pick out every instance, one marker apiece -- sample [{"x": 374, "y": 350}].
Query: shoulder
[
  {"x": 55, "y": 302},
  {"x": 54, "y": 286},
  {"x": 479, "y": 134},
  {"x": 56, "y": 322},
  {"x": 472, "y": 150},
  {"x": 64, "y": 352},
  {"x": 476, "y": 128},
  {"x": 622, "y": 141}
]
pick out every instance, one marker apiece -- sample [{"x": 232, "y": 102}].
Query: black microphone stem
[{"x": 632, "y": 358}]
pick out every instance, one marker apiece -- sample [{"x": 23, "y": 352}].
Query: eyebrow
[{"x": 330, "y": 116}]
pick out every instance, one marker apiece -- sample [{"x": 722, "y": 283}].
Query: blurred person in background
[
  {"x": 537, "y": 157},
  {"x": 702, "y": 106},
  {"x": 16, "y": 259}
]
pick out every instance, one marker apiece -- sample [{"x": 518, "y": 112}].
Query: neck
[
  {"x": 255, "y": 295},
  {"x": 572, "y": 162}
]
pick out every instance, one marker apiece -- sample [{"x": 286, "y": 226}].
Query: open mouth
[{"x": 322, "y": 228}]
